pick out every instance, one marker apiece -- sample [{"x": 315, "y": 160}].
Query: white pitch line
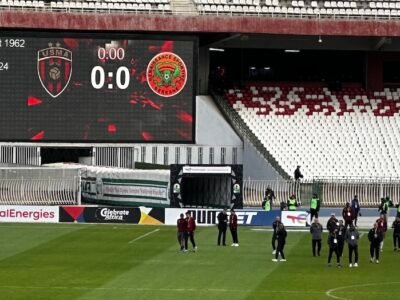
[
  {"x": 331, "y": 291},
  {"x": 148, "y": 289},
  {"x": 143, "y": 235}
]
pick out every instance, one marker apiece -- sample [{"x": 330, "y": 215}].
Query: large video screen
[{"x": 80, "y": 88}]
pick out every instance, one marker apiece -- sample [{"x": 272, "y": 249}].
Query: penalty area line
[
  {"x": 330, "y": 293},
  {"x": 143, "y": 235}
]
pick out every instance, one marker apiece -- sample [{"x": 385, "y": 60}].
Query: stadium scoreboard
[{"x": 62, "y": 87}]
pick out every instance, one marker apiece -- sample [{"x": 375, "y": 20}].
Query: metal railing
[
  {"x": 331, "y": 192},
  {"x": 244, "y": 131},
  {"x": 253, "y": 191},
  {"x": 39, "y": 186}
]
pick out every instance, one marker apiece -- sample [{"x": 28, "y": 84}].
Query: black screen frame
[{"x": 32, "y": 33}]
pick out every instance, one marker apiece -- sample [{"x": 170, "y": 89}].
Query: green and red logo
[{"x": 166, "y": 74}]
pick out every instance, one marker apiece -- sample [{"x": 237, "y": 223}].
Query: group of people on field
[
  {"x": 223, "y": 223},
  {"x": 339, "y": 231},
  {"x": 187, "y": 226}
]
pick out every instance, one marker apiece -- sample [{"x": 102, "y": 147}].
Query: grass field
[{"x": 138, "y": 262}]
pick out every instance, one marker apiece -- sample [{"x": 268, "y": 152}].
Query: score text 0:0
[{"x": 98, "y": 77}]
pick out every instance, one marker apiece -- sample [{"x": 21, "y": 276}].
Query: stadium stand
[
  {"x": 350, "y": 132},
  {"x": 274, "y": 8},
  {"x": 335, "y": 9},
  {"x": 136, "y": 6}
]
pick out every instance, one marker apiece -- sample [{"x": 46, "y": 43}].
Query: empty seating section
[
  {"x": 351, "y": 132},
  {"x": 283, "y": 8},
  {"x": 339, "y": 9},
  {"x": 163, "y": 6}
]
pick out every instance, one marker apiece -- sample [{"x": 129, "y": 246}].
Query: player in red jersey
[
  {"x": 191, "y": 227},
  {"x": 233, "y": 227},
  {"x": 181, "y": 226},
  {"x": 382, "y": 227}
]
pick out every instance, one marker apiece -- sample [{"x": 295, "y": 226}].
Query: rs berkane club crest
[{"x": 166, "y": 74}]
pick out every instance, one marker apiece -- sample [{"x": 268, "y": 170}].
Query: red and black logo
[
  {"x": 166, "y": 74},
  {"x": 54, "y": 69}
]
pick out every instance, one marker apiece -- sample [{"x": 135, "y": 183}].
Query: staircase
[{"x": 183, "y": 7}]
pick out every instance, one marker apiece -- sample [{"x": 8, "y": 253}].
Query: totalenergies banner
[
  {"x": 295, "y": 218},
  {"x": 28, "y": 214}
]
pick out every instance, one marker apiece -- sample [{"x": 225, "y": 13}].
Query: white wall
[
  {"x": 211, "y": 126},
  {"x": 255, "y": 166}
]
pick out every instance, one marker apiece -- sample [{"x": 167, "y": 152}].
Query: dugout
[{"x": 206, "y": 186}]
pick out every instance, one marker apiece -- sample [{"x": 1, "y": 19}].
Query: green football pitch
[{"x": 78, "y": 261}]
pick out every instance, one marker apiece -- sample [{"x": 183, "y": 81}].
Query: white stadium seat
[{"x": 322, "y": 137}]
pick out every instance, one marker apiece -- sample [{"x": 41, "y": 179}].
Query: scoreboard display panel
[{"x": 60, "y": 87}]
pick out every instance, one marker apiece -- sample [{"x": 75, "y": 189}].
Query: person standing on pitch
[
  {"x": 275, "y": 226},
  {"x": 269, "y": 196},
  {"x": 352, "y": 238},
  {"x": 382, "y": 227},
  {"x": 222, "y": 226},
  {"x": 316, "y": 233},
  {"x": 181, "y": 226},
  {"x": 341, "y": 237},
  {"x": 333, "y": 247},
  {"x": 292, "y": 203},
  {"x": 355, "y": 205},
  {"x": 332, "y": 223},
  {"x": 283, "y": 205},
  {"x": 375, "y": 238},
  {"x": 314, "y": 206},
  {"x": 281, "y": 235},
  {"x": 233, "y": 227},
  {"x": 191, "y": 227},
  {"x": 396, "y": 234},
  {"x": 398, "y": 210},
  {"x": 384, "y": 208},
  {"x": 348, "y": 215}
]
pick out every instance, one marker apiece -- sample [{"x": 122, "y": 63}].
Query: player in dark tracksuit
[
  {"x": 352, "y": 237},
  {"x": 375, "y": 237},
  {"x": 333, "y": 247},
  {"x": 281, "y": 235},
  {"x": 332, "y": 223},
  {"x": 355, "y": 205},
  {"x": 341, "y": 237},
  {"x": 316, "y": 233},
  {"x": 191, "y": 227},
  {"x": 181, "y": 227},
  {"x": 396, "y": 234},
  {"x": 222, "y": 226},
  {"x": 275, "y": 226},
  {"x": 233, "y": 227}
]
